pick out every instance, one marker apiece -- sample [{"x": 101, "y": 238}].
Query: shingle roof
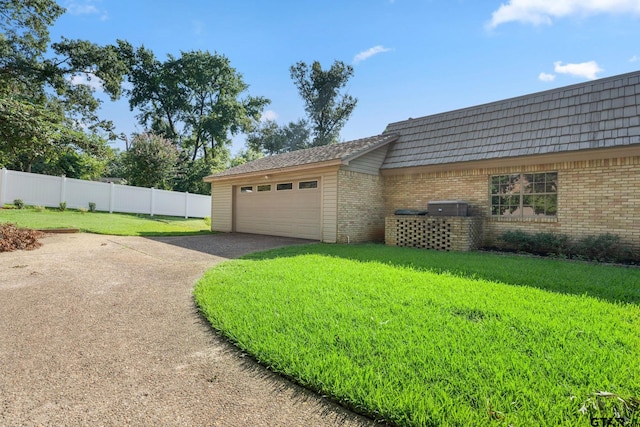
[
  {"x": 598, "y": 114},
  {"x": 343, "y": 151}
]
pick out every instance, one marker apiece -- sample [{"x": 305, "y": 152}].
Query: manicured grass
[
  {"x": 429, "y": 338},
  {"x": 104, "y": 223}
]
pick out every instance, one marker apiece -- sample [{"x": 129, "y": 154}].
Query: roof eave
[
  {"x": 519, "y": 161},
  {"x": 288, "y": 169}
]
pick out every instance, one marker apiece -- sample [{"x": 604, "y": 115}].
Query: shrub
[
  {"x": 601, "y": 247},
  {"x": 207, "y": 220},
  {"x": 18, "y": 203},
  {"x": 538, "y": 243},
  {"x": 63, "y": 206},
  {"x": 92, "y": 207},
  {"x": 83, "y": 210},
  {"x": 39, "y": 208}
]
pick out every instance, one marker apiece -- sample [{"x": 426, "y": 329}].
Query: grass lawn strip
[
  {"x": 117, "y": 224},
  {"x": 421, "y": 347}
]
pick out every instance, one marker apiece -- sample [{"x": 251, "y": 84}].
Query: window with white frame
[{"x": 524, "y": 195}]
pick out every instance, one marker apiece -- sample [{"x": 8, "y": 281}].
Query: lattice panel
[{"x": 424, "y": 233}]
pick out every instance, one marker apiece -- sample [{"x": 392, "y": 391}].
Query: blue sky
[{"x": 411, "y": 57}]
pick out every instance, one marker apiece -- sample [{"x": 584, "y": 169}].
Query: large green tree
[
  {"x": 271, "y": 138},
  {"x": 197, "y": 100},
  {"x": 44, "y": 109},
  {"x": 327, "y": 109}
]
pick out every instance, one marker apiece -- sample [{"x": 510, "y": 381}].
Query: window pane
[
  {"x": 302, "y": 185},
  {"x": 265, "y": 187},
  {"x": 539, "y": 187},
  {"x": 247, "y": 189},
  {"x": 552, "y": 204},
  {"x": 287, "y": 186}
]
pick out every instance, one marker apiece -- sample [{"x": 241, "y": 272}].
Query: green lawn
[
  {"x": 429, "y": 338},
  {"x": 104, "y": 223}
]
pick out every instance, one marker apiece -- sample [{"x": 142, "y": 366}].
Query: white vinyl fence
[{"x": 50, "y": 191}]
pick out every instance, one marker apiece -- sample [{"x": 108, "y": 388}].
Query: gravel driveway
[{"x": 102, "y": 330}]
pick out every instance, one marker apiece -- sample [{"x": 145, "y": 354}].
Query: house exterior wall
[
  {"x": 222, "y": 207},
  {"x": 594, "y": 196},
  {"x": 329, "y": 207},
  {"x": 360, "y": 207},
  {"x": 222, "y": 200},
  {"x": 369, "y": 163}
]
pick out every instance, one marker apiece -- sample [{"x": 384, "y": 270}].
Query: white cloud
[
  {"x": 89, "y": 79},
  {"x": 268, "y": 115},
  {"x": 546, "y": 77},
  {"x": 538, "y": 12},
  {"x": 634, "y": 58},
  {"x": 364, "y": 55},
  {"x": 587, "y": 70},
  {"x": 86, "y": 7}
]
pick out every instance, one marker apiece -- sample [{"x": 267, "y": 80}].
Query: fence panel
[
  {"x": 32, "y": 189},
  {"x": 44, "y": 190},
  {"x": 169, "y": 201},
  {"x": 131, "y": 199},
  {"x": 80, "y": 193}
]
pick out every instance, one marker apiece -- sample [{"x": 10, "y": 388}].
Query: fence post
[
  {"x": 63, "y": 188},
  {"x": 186, "y": 205},
  {"x": 111, "y": 197},
  {"x": 3, "y": 185},
  {"x": 152, "y": 199}
]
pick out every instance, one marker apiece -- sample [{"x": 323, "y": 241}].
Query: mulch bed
[{"x": 13, "y": 238}]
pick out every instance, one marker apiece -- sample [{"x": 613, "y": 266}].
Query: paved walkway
[{"x": 102, "y": 330}]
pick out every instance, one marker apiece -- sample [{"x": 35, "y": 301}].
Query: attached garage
[
  {"x": 288, "y": 208},
  {"x": 296, "y": 194}
]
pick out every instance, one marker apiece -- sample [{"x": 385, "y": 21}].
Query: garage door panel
[{"x": 291, "y": 213}]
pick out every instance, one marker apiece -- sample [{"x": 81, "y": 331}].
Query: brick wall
[
  {"x": 360, "y": 207},
  {"x": 594, "y": 197},
  {"x": 443, "y": 233}
]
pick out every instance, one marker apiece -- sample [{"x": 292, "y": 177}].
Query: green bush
[
  {"x": 92, "y": 207},
  {"x": 538, "y": 243},
  {"x": 602, "y": 247},
  {"x": 18, "y": 203},
  {"x": 63, "y": 206}
]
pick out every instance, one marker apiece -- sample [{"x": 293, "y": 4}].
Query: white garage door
[{"x": 287, "y": 208}]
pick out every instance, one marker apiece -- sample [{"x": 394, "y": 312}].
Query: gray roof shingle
[
  {"x": 597, "y": 114},
  {"x": 343, "y": 151}
]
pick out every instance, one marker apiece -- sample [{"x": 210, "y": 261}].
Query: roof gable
[
  {"x": 598, "y": 114},
  {"x": 341, "y": 152}
]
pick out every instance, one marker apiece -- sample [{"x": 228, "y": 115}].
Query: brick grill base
[{"x": 445, "y": 233}]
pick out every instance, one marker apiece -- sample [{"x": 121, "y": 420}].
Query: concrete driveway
[{"x": 102, "y": 330}]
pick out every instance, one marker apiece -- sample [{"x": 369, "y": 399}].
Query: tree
[
  {"x": 326, "y": 109},
  {"x": 194, "y": 100},
  {"x": 150, "y": 161},
  {"x": 270, "y": 138},
  {"x": 44, "y": 111}
]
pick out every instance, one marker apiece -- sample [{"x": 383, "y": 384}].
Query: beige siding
[
  {"x": 329, "y": 207},
  {"x": 221, "y": 207},
  {"x": 369, "y": 163}
]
